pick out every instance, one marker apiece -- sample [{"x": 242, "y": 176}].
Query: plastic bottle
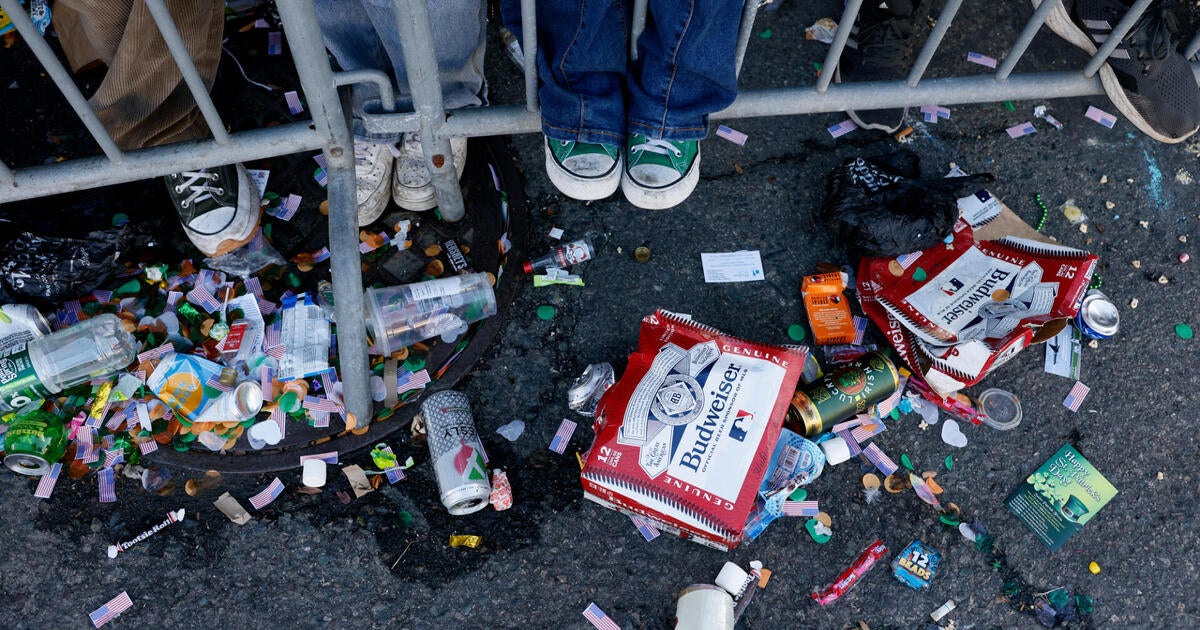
[
  {"x": 563, "y": 256},
  {"x": 92, "y": 348}
]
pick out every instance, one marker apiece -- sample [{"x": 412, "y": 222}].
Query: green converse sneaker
[
  {"x": 583, "y": 170},
  {"x": 659, "y": 173}
]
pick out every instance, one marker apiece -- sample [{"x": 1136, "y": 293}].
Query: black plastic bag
[
  {"x": 61, "y": 268},
  {"x": 881, "y": 207}
]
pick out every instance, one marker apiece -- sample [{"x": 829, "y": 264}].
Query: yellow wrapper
[
  {"x": 102, "y": 396},
  {"x": 465, "y": 541}
]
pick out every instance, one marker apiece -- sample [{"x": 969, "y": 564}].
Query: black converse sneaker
[
  {"x": 1146, "y": 77},
  {"x": 879, "y": 49},
  {"x": 219, "y": 207}
]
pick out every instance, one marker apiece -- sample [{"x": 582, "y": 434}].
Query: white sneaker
[
  {"x": 412, "y": 185},
  {"x": 372, "y": 169}
]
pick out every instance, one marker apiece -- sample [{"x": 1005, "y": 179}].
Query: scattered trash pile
[{"x": 712, "y": 438}]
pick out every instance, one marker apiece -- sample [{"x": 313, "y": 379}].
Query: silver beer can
[
  {"x": 456, "y": 452},
  {"x": 1098, "y": 316}
]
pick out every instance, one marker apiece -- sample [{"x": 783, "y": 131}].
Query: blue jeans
[
  {"x": 685, "y": 69},
  {"x": 361, "y": 35}
]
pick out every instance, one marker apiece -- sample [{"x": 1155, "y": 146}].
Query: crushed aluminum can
[
  {"x": 456, "y": 452},
  {"x": 1098, "y": 316},
  {"x": 585, "y": 392}
]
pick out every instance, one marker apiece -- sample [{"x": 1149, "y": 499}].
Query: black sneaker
[
  {"x": 1146, "y": 77},
  {"x": 879, "y": 49},
  {"x": 219, "y": 207}
]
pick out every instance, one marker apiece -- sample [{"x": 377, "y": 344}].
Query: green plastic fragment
[
  {"x": 811, "y": 527},
  {"x": 949, "y": 519},
  {"x": 798, "y": 495},
  {"x": 1009, "y": 106},
  {"x": 1184, "y": 331},
  {"x": 895, "y": 414},
  {"x": 919, "y": 275},
  {"x": 796, "y": 332},
  {"x": 546, "y": 312},
  {"x": 414, "y": 363},
  {"x": 130, "y": 287},
  {"x": 905, "y": 461},
  {"x": 120, "y": 219},
  {"x": 1059, "y": 598},
  {"x": 1084, "y": 604},
  {"x": 765, "y": 34},
  {"x": 405, "y": 518}
]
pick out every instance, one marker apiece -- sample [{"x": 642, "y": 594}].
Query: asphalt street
[{"x": 384, "y": 559}]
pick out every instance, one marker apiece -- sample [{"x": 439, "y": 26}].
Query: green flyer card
[{"x": 1060, "y": 497}]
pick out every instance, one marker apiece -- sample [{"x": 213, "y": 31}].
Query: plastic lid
[{"x": 1001, "y": 409}]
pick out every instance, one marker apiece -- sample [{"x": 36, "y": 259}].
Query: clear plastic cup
[
  {"x": 402, "y": 315},
  {"x": 1001, "y": 409}
]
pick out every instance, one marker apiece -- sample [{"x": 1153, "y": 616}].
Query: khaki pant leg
[{"x": 143, "y": 100}]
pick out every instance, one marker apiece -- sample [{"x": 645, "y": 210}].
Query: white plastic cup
[{"x": 402, "y": 315}]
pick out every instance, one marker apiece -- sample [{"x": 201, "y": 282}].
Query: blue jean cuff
[{"x": 673, "y": 134}]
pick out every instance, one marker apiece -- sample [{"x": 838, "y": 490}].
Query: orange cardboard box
[{"x": 828, "y": 312}]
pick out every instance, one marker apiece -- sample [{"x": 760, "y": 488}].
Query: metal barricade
[{"x": 329, "y": 133}]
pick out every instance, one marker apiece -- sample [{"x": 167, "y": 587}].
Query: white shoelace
[
  {"x": 657, "y": 146},
  {"x": 197, "y": 188}
]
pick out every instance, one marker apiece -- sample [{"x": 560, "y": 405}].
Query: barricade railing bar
[{"x": 329, "y": 132}]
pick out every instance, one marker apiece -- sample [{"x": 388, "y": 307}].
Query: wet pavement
[{"x": 383, "y": 559}]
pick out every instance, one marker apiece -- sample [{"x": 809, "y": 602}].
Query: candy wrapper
[
  {"x": 686, "y": 436},
  {"x": 863, "y": 563}
]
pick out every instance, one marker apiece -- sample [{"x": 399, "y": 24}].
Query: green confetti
[
  {"x": 414, "y": 363},
  {"x": 120, "y": 219},
  {"x": 546, "y": 312},
  {"x": 1084, "y": 604},
  {"x": 766, "y": 34},
  {"x": 405, "y": 518},
  {"x": 1009, "y": 106},
  {"x": 950, "y": 520},
  {"x": 796, "y": 332},
  {"x": 1184, "y": 331},
  {"x": 811, "y": 526},
  {"x": 905, "y": 461},
  {"x": 1059, "y": 598},
  {"x": 129, "y": 288},
  {"x": 949, "y": 462},
  {"x": 798, "y": 495},
  {"x": 919, "y": 275},
  {"x": 895, "y": 414}
]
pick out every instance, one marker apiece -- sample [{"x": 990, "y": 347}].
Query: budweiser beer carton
[{"x": 686, "y": 435}]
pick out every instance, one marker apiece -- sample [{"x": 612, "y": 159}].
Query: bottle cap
[
  {"x": 228, "y": 376},
  {"x": 528, "y": 266}
]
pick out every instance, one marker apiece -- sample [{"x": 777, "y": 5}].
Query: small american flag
[
  {"x": 329, "y": 380},
  {"x": 415, "y": 380},
  {"x": 293, "y": 102},
  {"x": 253, "y": 284},
  {"x": 266, "y": 380},
  {"x": 269, "y": 494},
  {"x": 279, "y": 418},
  {"x": 261, "y": 23},
  {"x": 365, "y": 247},
  {"x": 70, "y": 313},
  {"x": 929, "y": 117},
  {"x": 46, "y": 485},
  {"x": 847, "y": 425},
  {"x": 1023, "y": 129},
  {"x": 800, "y": 508},
  {"x": 173, "y": 297},
  {"x": 565, "y": 431},
  {"x": 732, "y": 135},
  {"x": 321, "y": 255},
  {"x": 102, "y": 295},
  {"x": 880, "y": 459},
  {"x": 851, "y": 443},
  {"x": 906, "y": 260},
  {"x": 320, "y": 160},
  {"x": 274, "y": 43},
  {"x": 287, "y": 210},
  {"x": 643, "y": 524},
  {"x": 108, "y": 492},
  {"x": 1075, "y": 397},
  {"x": 321, "y": 176},
  {"x": 602, "y": 621},
  {"x": 394, "y": 474},
  {"x": 867, "y": 430},
  {"x": 320, "y": 419},
  {"x": 329, "y": 458},
  {"x": 842, "y": 128},
  {"x": 315, "y": 403},
  {"x": 113, "y": 457},
  {"x": 111, "y": 610},
  {"x": 555, "y": 233},
  {"x": 147, "y": 447},
  {"x": 1100, "y": 116},
  {"x": 982, "y": 60},
  {"x": 155, "y": 353},
  {"x": 214, "y": 382},
  {"x": 202, "y": 297},
  {"x": 860, "y": 329}
]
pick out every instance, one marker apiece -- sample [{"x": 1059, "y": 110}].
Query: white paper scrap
[{"x": 743, "y": 266}]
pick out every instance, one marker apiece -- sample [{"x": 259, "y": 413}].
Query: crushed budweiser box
[
  {"x": 959, "y": 310},
  {"x": 686, "y": 435}
]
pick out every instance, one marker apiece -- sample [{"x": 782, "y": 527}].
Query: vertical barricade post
[
  {"x": 529, "y": 45},
  {"x": 420, "y": 64},
  {"x": 316, "y": 78}
]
